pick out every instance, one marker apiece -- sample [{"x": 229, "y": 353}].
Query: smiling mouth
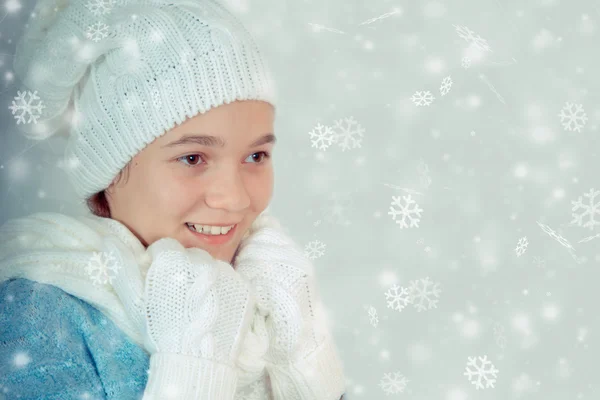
[{"x": 210, "y": 231}]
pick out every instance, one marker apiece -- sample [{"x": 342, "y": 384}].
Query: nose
[{"x": 227, "y": 190}]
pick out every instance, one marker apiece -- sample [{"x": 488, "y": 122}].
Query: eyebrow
[{"x": 217, "y": 141}]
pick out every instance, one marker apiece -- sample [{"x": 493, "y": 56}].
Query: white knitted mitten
[
  {"x": 196, "y": 312},
  {"x": 302, "y": 359}
]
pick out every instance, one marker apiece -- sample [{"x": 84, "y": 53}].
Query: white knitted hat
[{"x": 113, "y": 75}]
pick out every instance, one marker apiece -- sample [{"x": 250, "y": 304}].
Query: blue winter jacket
[{"x": 56, "y": 346}]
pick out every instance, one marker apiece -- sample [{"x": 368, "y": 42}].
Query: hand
[
  {"x": 302, "y": 360},
  {"x": 195, "y": 312}
]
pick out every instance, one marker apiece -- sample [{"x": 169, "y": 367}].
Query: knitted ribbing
[{"x": 160, "y": 63}]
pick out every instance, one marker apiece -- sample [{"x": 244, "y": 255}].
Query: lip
[{"x": 214, "y": 239}]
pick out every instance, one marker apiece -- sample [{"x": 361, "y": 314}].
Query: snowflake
[
  {"x": 99, "y": 7},
  {"x": 481, "y": 372},
  {"x": 556, "y": 236},
  {"x": 469, "y": 36},
  {"x": 424, "y": 98},
  {"x": 423, "y": 291},
  {"x": 398, "y": 299},
  {"x": 97, "y": 31},
  {"x": 336, "y": 210},
  {"x": 573, "y": 117},
  {"x": 446, "y": 85},
  {"x": 500, "y": 335},
  {"x": 539, "y": 262},
  {"x": 465, "y": 62},
  {"x": 102, "y": 268},
  {"x": 393, "y": 385},
  {"x": 373, "y": 316},
  {"x": 314, "y": 249},
  {"x": 413, "y": 214},
  {"x": 323, "y": 136},
  {"x": 590, "y": 209},
  {"x": 521, "y": 246},
  {"x": 348, "y": 135},
  {"x": 27, "y": 107}
]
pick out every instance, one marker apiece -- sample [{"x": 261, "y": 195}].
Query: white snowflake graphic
[
  {"x": 413, "y": 214},
  {"x": 397, "y": 300},
  {"x": 348, "y": 133},
  {"x": 423, "y": 98},
  {"x": 27, "y": 107},
  {"x": 373, "y": 319},
  {"x": 97, "y": 31},
  {"x": 100, "y": 7},
  {"x": 481, "y": 373},
  {"x": 314, "y": 249},
  {"x": 590, "y": 209},
  {"x": 468, "y": 35},
  {"x": 393, "y": 384},
  {"x": 521, "y": 246},
  {"x": 465, "y": 62},
  {"x": 446, "y": 85},
  {"x": 322, "y": 137},
  {"x": 573, "y": 117},
  {"x": 102, "y": 268},
  {"x": 424, "y": 294}
]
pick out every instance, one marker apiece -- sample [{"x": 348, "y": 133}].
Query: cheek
[{"x": 260, "y": 190}]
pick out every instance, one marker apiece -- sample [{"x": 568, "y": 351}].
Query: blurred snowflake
[
  {"x": 423, "y": 98},
  {"x": 446, "y": 85},
  {"x": 348, "y": 133},
  {"x": 424, "y": 294},
  {"x": 102, "y": 268},
  {"x": 590, "y": 209},
  {"x": 397, "y": 300},
  {"x": 97, "y": 31},
  {"x": 99, "y": 7},
  {"x": 413, "y": 214},
  {"x": 573, "y": 117},
  {"x": 393, "y": 384},
  {"x": 28, "y": 104},
  {"x": 484, "y": 372},
  {"x": 373, "y": 316},
  {"x": 314, "y": 249},
  {"x": 521, "y": 246},
  {"x": 322, "y": 136}
]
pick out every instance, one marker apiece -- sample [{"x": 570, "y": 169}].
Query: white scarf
[{"x": 61, "y": 250}]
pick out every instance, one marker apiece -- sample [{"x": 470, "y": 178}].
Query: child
[{"x": 179, "y": 284}]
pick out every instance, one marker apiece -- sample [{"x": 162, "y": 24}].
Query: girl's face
[{"x": 224, "y": 178}]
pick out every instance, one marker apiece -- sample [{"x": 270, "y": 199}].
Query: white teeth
[{"x": 210, "y": 230}]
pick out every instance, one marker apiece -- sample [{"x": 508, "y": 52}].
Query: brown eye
[
  {"x": 265, "y": 155},
  {"x": 190, "y": 158}
]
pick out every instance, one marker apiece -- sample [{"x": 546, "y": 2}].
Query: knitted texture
[
  {"x": 114, "y": 75},
  {"x": 54, "y": 346},
  {"x": 197, "y": 311},
  {"x": 302, "y": 360},
  {"x": 67, "y": 253}
]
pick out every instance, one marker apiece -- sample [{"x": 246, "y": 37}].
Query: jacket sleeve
[{"x": 43, "y": 354}]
